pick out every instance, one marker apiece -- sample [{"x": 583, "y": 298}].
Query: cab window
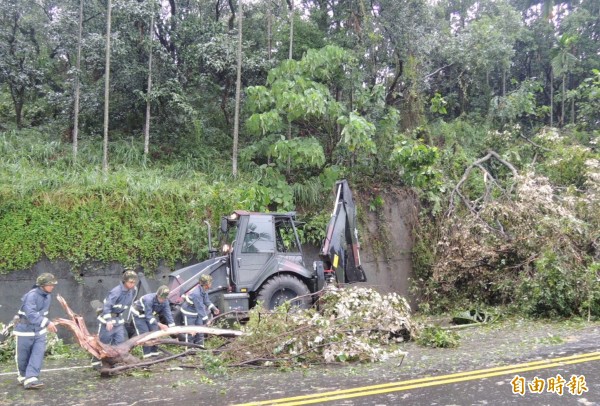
[{"x": 259, "y": 235}]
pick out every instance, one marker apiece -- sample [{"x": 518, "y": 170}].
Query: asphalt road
[
  {"x": 486, "y": 369},
  {"x": 571, "y": 380},
  {"x": 535, "y": 367}
]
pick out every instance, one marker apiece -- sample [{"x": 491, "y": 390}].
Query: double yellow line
[{"x": 430, "y": 381}]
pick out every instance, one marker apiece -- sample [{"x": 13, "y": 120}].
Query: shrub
[
  {"x": 552, "y": 290},
  {"x": 437, "y": 337}
]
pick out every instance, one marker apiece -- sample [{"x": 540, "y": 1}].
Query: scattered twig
[{"x": 534, "y": 144}]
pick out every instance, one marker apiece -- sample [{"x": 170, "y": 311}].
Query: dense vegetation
[{"x": 488, "y": 109}]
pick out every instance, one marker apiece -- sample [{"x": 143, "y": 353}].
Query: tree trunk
[
  {"x": 106, "y": 91},
  {"x": 289, "y": 130},
  {"x": 19, "y": 114},
  {"x": 77, "y": 78},
  {"x": 225, "y": 98},
  {"x": 147, "y": 125},
  {"x": 269, "y": 31},
  {"x": 232, "y": 17},
  {"x": 291, "y": 4},
  {"x": 238, "y": 91},
  {"x": 18, "y": 97},
  {"x": 562, "y": 104},
  {"x": 551, "y": 98},
  {"x": 572, "y": 101}
]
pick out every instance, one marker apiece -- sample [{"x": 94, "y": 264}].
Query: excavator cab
[{"x": 260, "y": 259}]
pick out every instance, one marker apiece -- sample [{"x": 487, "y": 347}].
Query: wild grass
[
  {"x": 141, "y": 211},
  {"x": 32, "y": 162},
  {"x": 310, "y": 193}
]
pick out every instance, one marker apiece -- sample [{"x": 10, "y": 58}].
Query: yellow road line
[{"x": 429, "y": 381}]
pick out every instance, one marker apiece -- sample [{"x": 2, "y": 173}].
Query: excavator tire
[{"x": 282, "y": 288}]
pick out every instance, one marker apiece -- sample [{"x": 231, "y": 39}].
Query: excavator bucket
[{"x": 341, "y": 249}]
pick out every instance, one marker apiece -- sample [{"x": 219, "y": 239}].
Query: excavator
[{"x": 261, "y": 260}]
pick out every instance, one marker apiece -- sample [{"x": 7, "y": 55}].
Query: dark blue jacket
[
  {"x": 33, "y": 313},
  {"x": 148, "y": 307},
  {"x": 197, "y": 303},
  {"x": 116, "y": 304}
]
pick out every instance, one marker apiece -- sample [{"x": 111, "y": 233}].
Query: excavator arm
[{"x": 340, "y": 253}]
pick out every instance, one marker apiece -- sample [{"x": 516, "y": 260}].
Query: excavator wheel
[{"x": 282, "y": 288}]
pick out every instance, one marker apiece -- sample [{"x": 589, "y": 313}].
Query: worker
[
  {"x": 195, "y": 307},
  {"x": 147, "y": 311},
  {"x": 31, "y": 326},
  {"x": 115, "y": 312}
]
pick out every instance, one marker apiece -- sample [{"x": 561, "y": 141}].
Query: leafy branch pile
[
  {"x": 521, "y": 238},
  {"x": 352, "y": 325}
]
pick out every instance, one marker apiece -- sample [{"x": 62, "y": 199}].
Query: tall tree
[
  {"x": 291, "y": 13},
  {"x": 300, "y": 93},
  {"x": 77, "y": 81},
  {"x": 269, "y": 30},
  {"x": 22, "y": 51},
  {"x": 408, "y": 36},
  {"x": 480, "y": 47},
  {"x": 562, "y": 65},
  {"x": 290, "y": 54},
  {"x": 149, "y": 88},
  {"x": 551, "y": 97},
  {"x": 238, "y": 91},
  {"x": 106, "y": 89}
]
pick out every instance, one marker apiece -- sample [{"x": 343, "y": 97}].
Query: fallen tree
[
  {"x": 346, "y": 325},
  {"x": 515, "y": 238},
  {"x": 118, "y": 358}
]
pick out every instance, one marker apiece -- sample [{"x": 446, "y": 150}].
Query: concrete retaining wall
[
  {"x": 386, "y": 255},
  {"x": 93, "y": 282}
]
